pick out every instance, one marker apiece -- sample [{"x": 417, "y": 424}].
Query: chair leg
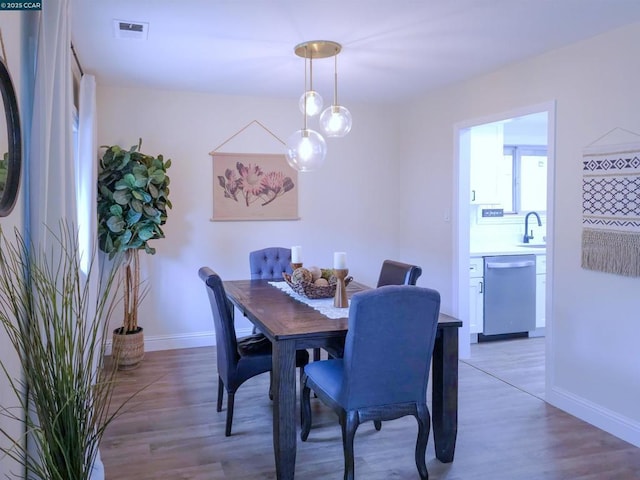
[
  {"x": 424, "y": 425},
  {"x": 305, "y": 410},
  {"x": 230, "y": 398},
  {"x": 316, "y": 354},
  {"x": 349, "y": 423},
  {"x": 220, "y": 394},
  {"x": 301, "y": 383},
  {"x": 270, "y": 385}
]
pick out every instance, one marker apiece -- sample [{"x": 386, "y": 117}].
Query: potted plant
[
  {"x": 56, "y": 326},
  {"x": 133, "y": 197}
]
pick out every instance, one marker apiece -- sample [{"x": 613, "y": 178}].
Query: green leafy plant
[
  {"x": 56, "y": 326},
  {"x": 133, "y": 198}
]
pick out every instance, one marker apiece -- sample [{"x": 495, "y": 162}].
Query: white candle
[
  {"x": 340, "y": 260},
  {"x": 296, "y": 254}
]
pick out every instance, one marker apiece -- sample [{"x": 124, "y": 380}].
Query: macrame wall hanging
[{"x": 611, "y": 206}]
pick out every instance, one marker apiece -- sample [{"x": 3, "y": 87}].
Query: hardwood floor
[
  {"x": 172, "y": 431},
  {"x": 518, "y": 362}
]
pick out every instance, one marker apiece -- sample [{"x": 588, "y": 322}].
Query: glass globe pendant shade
[
  {"x": 306, "y": 150},
  {"x": 313, "y": 102},
  {"x": 335, "y": 121}
]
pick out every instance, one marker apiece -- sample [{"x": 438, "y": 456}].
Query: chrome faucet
[{"x": 528, "y": 236}]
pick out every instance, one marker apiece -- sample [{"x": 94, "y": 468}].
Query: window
[{"x": 522, "y": 179}]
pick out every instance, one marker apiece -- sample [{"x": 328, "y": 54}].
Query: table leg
[
  {"x": 445, "y": 393},
  {"x": 284, "y": 408}
]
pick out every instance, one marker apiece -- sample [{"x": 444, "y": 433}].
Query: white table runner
[{"x": 322, "y": 305}]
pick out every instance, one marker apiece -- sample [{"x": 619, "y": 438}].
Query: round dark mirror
[{"x": 10, "y": 144}]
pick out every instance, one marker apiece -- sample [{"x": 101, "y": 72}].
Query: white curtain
[
  {"x": 49, "y": 165},
  {"x": 51, "y": 186},
  {"x": 60, "y": 178},
  {"x": 87, "y": 168},
  {"x": 87, "y": 175}
]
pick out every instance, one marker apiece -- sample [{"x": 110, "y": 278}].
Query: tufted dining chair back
[{"x": 269, "y": 263}]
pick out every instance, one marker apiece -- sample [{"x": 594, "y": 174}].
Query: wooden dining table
[{"x": 293, "y": 325}]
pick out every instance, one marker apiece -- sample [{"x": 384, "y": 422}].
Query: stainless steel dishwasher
[{"x": 510, "y": 294}]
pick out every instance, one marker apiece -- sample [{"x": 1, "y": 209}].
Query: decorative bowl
[{"x": 313, "y": 291}]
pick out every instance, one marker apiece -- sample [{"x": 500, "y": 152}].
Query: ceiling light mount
[
  {"x": 306, "y": 148},
  {"x": 318, "y": 49}
]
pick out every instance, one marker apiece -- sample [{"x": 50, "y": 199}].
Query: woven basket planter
[{"x": 128, "y": 349}]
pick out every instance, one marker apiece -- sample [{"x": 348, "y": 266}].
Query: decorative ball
[
  {"x": 321, "y": 282},
  {"x": 316, "y": 273},
  {"x": 327, "y": 273},
  {"x": 301, "y": 276}
]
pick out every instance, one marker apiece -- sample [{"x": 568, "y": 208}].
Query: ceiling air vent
[{"x": 126, "y": 29}]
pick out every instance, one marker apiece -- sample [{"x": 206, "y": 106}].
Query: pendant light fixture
[
  {"x": 310, "y": 102},
  {"x": 306, "y": 148},
  {"x": 335, "y": 121}
]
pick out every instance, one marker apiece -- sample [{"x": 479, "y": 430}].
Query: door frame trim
[{"x": 461, "y": 204}]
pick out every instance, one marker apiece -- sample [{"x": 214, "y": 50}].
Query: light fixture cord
[
  {"x": 305, "y": 71},
  {"x": 335, "y": 79},
  {"x": 311, "y": 70},
  {"x": 305, "y": 89}
]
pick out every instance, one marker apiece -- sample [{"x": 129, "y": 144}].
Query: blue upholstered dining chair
[
  {"x": 391, "y": 273},
  {"x": 238, "y": 360},
  {"x": 269, "y": 263},
  {"x": 400, "y": 321}
]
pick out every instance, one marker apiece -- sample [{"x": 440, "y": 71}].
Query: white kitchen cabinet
[
  {"x": 476, "y": 294},
  {"x": 541, "y": 290},
  {"x": 486, "y": 151}
]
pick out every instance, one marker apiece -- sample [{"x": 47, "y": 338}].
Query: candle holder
[
  {"x": 295, "y": 265},
  {"x": 340, "y": 299}
]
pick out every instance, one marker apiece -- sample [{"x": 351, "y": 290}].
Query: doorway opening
[{"x": 505, "y": 172}]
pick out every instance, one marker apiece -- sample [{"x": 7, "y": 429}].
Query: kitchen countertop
[{"x": 493, "y": 250}]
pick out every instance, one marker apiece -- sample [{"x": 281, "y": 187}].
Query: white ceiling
[{"x": 392, "y": 49}]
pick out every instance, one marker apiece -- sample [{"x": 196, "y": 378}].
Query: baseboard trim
[
  {"x": 156, "y": 343},
  {"x": 598, "y": 416}
]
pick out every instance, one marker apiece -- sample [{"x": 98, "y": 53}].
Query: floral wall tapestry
[{"x": 254, "y": 187}]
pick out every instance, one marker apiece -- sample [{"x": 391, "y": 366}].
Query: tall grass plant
[{"x": 56, "y": 321}]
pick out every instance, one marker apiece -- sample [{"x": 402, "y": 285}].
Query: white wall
[
  {"x": 351, "y": 204},
  {"x": 593, "y": 365}
]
